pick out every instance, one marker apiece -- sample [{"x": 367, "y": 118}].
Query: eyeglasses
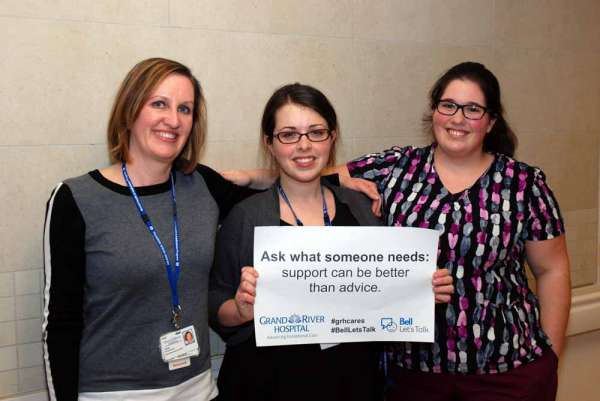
[
  {"x": 316, "y": 135},
  {"x": 470, "y": 111}
]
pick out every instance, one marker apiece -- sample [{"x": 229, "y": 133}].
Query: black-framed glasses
[
  {"x": 316, "y": 135},
  {"x": 471, "y": 111}
]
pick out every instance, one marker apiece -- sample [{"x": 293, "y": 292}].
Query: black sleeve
[
  {"x": 233, "y": 251},
  {"x": 225, "y": 193},
  {"x": 64, "y": 268},
  {"x": 333, "y": 179}
]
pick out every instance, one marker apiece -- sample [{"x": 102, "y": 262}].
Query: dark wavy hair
[
  {"x": 303, "y": 95},
  {"x": 501, "y": 139}
]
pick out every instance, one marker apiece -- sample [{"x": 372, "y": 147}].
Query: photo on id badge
[{"x": 188, "y": 337}]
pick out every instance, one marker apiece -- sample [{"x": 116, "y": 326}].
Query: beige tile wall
[{"x": 62, "y": 61}]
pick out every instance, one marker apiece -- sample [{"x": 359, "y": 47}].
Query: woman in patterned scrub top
[{"x": 496, "y": 339}]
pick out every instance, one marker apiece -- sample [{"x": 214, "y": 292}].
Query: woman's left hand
[
  {"x": 238, "y": 177},
  {"x": 549, "y": 262},
  {"x": 442, "y": 286},
  {"x": 259, "y": 178}
]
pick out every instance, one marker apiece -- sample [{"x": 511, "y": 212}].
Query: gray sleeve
[
  {"x": 233, "y": 250},
  {"x": 360, "y": 206}
]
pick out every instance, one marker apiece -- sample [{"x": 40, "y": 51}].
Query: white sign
[{"x": 344, "y": 284}]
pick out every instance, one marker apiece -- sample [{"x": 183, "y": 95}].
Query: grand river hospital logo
[
  {"x": 291, "y": 324},
  {"x": 388, "y": 324}
]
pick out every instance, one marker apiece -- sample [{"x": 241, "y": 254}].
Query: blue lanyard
[
  {"x": 326, "y": 218},
  {"x": 172, "y": 274}
]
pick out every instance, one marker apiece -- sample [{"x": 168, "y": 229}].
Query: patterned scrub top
[{"x": 492, "y": 323}]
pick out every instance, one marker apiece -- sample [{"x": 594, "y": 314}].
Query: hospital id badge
[{"x": 179, "y": 344}]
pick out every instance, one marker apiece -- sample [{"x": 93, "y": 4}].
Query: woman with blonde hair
[{"x": 128, "y": 249}]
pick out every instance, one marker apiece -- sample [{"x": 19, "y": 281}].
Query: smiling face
[
  {"x": 163, "y": 126},
  {"x": 302, "y": 161},
  {"x": 455, "y": 135}
]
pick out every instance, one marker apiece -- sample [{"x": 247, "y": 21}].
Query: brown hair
[
  {"x": 303, "y": 95},
  {"x": 135, "y": 90},
  {"x": 501, "y": 138}
]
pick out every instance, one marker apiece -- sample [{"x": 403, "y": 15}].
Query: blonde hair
[{"x": 135, "y": 90}]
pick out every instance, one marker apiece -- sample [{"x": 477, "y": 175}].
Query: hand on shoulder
[{"x": 366, "y": 187}]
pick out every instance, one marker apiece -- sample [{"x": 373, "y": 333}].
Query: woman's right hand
[
  {"x": 366, "y": 187},
  {"x": 245, "y": 295}
]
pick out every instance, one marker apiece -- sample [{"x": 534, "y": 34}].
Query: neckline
[
  {"x": 124, "y": 190},
  {"x": 326, "y": 218},
  {"x": 469, "y": 188},
  {"x": 333, "y": 218}
]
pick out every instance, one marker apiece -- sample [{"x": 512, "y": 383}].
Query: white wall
[{"x": 62, "y": 61}]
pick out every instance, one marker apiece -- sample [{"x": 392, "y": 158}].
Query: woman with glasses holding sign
[
  {"x": 299, "y": 135},
  {"x": 496, "y": 339},
  {"x": 128, "y": 251}
]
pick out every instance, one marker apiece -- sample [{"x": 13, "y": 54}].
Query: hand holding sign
[
  {"x": 246, "y": 294},
  {"x": 442, "y": 286}
]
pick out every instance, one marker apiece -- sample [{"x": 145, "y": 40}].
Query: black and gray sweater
[{"x": 107, "y": 297}]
